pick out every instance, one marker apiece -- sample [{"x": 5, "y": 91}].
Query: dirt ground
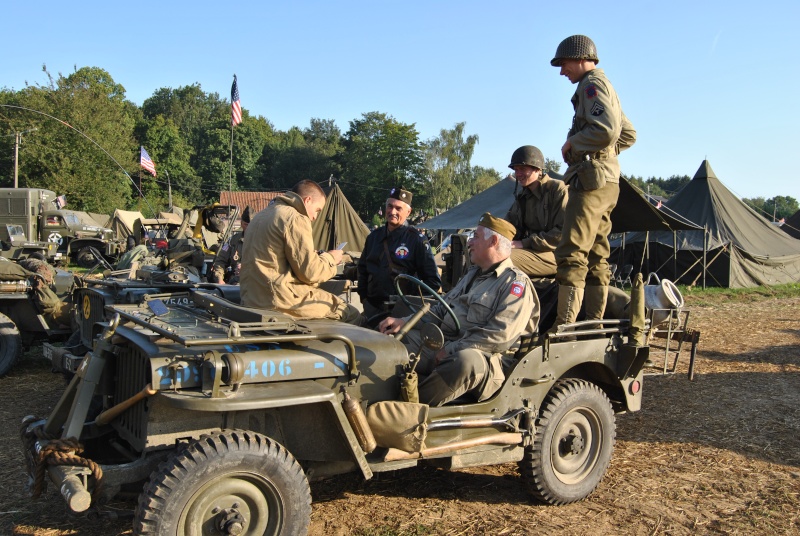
[{"x": 718, "y": 455}]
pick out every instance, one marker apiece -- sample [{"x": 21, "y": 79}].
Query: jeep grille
[
  {"x": 133, "y": 374},
  {"x": 91, "y": 301}
]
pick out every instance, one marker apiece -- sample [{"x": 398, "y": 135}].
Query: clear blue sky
[{"x": 698, "y": 79}]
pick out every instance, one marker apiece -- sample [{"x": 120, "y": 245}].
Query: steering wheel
[{"x": 428, "y": 290}]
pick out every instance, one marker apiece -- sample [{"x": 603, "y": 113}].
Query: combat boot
[
  {"x": 569, "y": 303},
  {"x": 595, "y": 298}
]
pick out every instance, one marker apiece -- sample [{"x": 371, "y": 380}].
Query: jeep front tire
[{"x": 233, "y": 482}]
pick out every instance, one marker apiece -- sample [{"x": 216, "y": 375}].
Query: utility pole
[{"x": 17, "y": 141}]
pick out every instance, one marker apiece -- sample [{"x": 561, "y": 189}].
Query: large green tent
[{"x": 741, "y": 248}]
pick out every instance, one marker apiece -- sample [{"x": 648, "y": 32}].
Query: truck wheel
[
  {"x": 85, "y": 258},
  {"x": 234, "y": 482},
  {"x": 573, "y": 443},
  {"x": 10, "y": 344}
]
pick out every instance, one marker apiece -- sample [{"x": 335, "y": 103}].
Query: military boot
[
  {"x": 594, "y": 299},
  {"x": 569, "y": 303}
]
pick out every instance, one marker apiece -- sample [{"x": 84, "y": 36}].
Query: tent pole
[
  {"x": 675, "y": 255},
  {"x": 705, "y": 251}
]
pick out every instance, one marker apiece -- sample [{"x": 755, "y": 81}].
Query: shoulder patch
[
  {"x": 517, "y": 288},
  {"x": 597, "y": 109},
  {"x": 591, "y": 91},
  {"x": 225, "y": 246}
]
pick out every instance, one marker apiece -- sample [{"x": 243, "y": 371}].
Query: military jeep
[{"x": 221, "y": 415}]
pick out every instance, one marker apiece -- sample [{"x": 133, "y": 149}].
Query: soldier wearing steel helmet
[
  {"x": 599, "y": 132},
  {"x": 537, "y": 213}
]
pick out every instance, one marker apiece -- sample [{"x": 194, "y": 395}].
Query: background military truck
[
  {"x": 15, "y": 245},
  {"x": 226, "y": 412},
  {"x": 41, "y": 215}
]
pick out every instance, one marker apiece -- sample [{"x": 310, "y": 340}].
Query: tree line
[{"x": 80, "y": 136}]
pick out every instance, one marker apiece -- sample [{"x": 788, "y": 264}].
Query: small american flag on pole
[
  {"x": 236, "y": 104},
  {"x": 147, "y": 163}
]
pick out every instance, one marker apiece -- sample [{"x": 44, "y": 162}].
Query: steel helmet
[
  {"x": 527, "y": 155},
  {"x": 575, "y": 47}
]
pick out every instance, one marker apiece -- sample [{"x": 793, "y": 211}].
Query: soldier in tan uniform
[
  {"x": 495, "y": 304},
  {"x": 537, "y": 213},
  {"x": 228, "y": 264},
  {"x": 281, "y": 270},
  {"x": 600, "y": 131}
]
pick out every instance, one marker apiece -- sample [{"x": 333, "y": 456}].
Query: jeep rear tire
[
  {"x": 234, "y": 482},
  {"x": 10, "y": 344},
  {"x": 573, "y": 443}
]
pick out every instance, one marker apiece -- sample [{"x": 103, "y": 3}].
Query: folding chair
[{"x": 612, "y": 268}]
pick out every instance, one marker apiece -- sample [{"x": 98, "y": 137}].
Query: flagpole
[
  {"x": 230, "y": 173},
  {"x": 169, "y": 189}
]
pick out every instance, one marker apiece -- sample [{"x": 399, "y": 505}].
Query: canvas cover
[
  {"x": 743, "y": 248},
  {"x": 339, "y": 222},
  {"x": 632, "y": 213},
  {"x": 122, "y": 222}
]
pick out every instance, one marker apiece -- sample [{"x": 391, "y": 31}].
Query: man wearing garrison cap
[
  {"x": 495, "y": 305},
  {"x": 395, "y": 248},
  {"x": 228, "y": 262}
]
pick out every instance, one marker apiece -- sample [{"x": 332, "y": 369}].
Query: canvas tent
[
  {"x": 742, "y": 248},
  {"x": 632, "y": 213},
  {"x": 122, "y": 222},
  {"x": 339, "y": 222}
]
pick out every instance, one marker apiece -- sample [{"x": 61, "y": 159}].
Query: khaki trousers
[
  {"x": 583, "y": 251},
  {"x": 534, "y": 263}
]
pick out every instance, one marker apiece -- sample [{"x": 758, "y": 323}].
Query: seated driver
[{"x": 495, "y": 304}]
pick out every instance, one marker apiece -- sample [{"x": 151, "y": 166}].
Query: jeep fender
[{"x": 296, "y": 394}]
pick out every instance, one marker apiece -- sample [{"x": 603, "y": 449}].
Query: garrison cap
[
  {"x": 247, "y": 214},
  {"x": 498, "y": 225},
  {"x": 401, "y": 195}
]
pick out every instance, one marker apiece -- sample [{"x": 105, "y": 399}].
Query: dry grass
[{"x": 720, "y": 455}]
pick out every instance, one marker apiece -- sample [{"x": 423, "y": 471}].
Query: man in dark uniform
[
  {"x": 599, "y": 132},
  {"x": 395, "y": 248},
  {"x": 537, "y": 213},
  {"x": 228, "y": 263}
]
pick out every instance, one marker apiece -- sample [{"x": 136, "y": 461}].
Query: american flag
[
  {"x": 147, "y": 163},
  {"x": 236, "y": 104}
]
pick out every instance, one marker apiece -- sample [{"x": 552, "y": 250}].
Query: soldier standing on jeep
[
  {"x": 393, "y": 249},
  {"x": 495, "y": 304}
]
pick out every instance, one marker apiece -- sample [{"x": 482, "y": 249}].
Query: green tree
[
  {"x": 775, "y": 208},
  {"x": 83, "y": 152},
  {"x": 295, "y": 155},
  {"x": 551, "y": 166},
  {"x": 379, "y": 152},
  {"x": 485, "y": 178},
  {"x": 450, "y": 173}
]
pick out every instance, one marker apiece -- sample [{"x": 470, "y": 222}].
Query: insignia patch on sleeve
[
  {"x": 517, "y": 289},
  {"x": 225, "y": 247},
  {"x": 591, "y": 91},
  {"x": 597, "y": 109}
]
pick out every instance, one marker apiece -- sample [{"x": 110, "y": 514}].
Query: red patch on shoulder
[
  {"x": 591, "y": 91},
  {"x": 517, "y": 289}
]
